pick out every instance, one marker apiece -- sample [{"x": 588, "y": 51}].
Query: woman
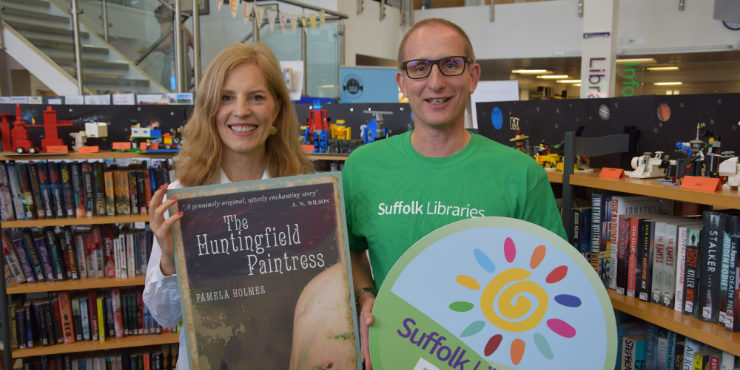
[{"x": 243, "y": 128}]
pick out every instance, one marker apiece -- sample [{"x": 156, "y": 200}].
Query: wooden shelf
[
  {"x": 98, "y": 220},
  {"x": 88, "y": 346},
  {"x": 327, "y": 157},
  {"x": 80, "y": 284},
  {"x": 708, "y": 333},
  {"x": 555, "y": 176},
  {"x": 9, "y": 156},
  {"x": 652, "y": 188}
]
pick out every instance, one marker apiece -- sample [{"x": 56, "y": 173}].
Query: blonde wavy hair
[{"x": 199, "y": 161}]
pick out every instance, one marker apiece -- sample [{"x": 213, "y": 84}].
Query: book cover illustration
[
  {"x": 492, "y": 293},
  {"x": 264, "y": 276}
]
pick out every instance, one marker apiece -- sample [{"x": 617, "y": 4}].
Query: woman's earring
[{"x": 273, "y": 130}]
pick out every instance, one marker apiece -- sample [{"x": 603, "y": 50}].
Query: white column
[{"x": 598, "y": 51}]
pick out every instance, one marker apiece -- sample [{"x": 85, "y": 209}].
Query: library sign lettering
[{"x": 493, "y": 293}]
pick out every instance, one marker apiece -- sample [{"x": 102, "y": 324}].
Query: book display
[
  {"x": 76, "y": 259},
  {"x": 687, "y": 309},
  {"x": 268, "y": 258}
]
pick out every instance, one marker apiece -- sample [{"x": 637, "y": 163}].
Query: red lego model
[
  {"x": 17, "y": 138},
  {"x": 318, "y": 128}
]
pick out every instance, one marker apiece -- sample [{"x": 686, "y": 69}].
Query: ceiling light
[
  {"x": 530, "y": 71},
  {"x": 568, "y": 81},
  {"x": 668, "y": 83},
  {"x": 636, "y": 60},
  {"x": 578, "y": 85},
  {"x": 553, "y": 77},
  {"x": 665, "y": 68}
]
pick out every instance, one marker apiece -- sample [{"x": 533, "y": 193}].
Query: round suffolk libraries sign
[{"x": 493, "y": 293}]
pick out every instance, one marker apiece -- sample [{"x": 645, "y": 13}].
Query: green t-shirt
[{"x": 394, "y": 196}]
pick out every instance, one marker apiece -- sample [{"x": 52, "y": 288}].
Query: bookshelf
[
  {"x": 88, "y": 346},
  {"x": 97, "y": 220},
  {"x": 709, "y": 333},
  {"x": 12, "y": 287}
]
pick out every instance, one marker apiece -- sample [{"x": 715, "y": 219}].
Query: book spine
[
  {"x": 92, "y": 310},
  {"x": 101, "y": 317},
  {"x": 79, "y": 247},
  {"x": 734, "y": 240},
  {"x": 70, "y": 258},
  {"x": 65, "y": 309},
  {"x": 84, "y": 318},
  {"x": 57, "y": 320},
  {"x": 33, "y": 255},
  {"x": 76, "y": 319},
  {"x": 11, "y": 260},
  {"x": 100, "y": 207},
  {"x": 88, "y": 185},
  {"x": 44, "y": 254},
  {"x": 632, "y": 262},
  {"x": 108, "y": 251},
  {"x": 117, "y": 312},
  {"x": 658, "y": 261},
  {"x": 29, "y": 319},
  {"x": 133, "y": 192},
  {"x": 714, "y": 225},
  {"x": 78, "y": 190},
  {"x": 622, "y": 267},
  {"x": 41, "y": 334},
  {"x": 55, "y": 178},
  {"x": 6, "y": 195},
  {"x": 110, "y": 196},
  {"x": 67, "y": 189},
  {"x": 141, "y": 188},
  {"x": 680, "y": 267},
  {"x": 596, "y": 203},
  {"x": 35, "y": 189},
  {"x": 97, "y": 237},
  {"x": 693, "y": 272},
  {"x": 20, "y": 320},
  {"x": 29, "y": 208},
  {"x": 669, "y": 274},
  {"x": 57, "y": 257},
  {"x": 645, "y": 258},
  {"x": 16, "y": 191},
  {"x": 16, "y": 238},
  {"x": 613, "y": 239},
  {"x": 130, "y": 255}
]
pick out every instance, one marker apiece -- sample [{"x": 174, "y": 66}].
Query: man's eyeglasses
[{"x": 448, "y": 66}]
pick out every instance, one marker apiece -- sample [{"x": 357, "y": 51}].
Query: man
[{"x": 401, "y": 188}]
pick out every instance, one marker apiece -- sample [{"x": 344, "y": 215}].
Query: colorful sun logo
[{"x": 515, "y": 306}]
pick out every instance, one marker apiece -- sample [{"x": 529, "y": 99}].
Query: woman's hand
[{"x": 161, "y": 228}]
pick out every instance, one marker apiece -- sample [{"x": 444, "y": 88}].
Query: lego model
[
  {"x": 730, "y": 168},
  {"x": 318, "y": 128},
  {"x": 374, "y": 130},
  {"x": 521, "y": 142},
  {"x": 340, "y": 130},
  {"x": 92, "y": 130},
  {"x": 647, "y": 166},
  {"x": 17, "y": 138},
  {"x": 692, "y": 163}
]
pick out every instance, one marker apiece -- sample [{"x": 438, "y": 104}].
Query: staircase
[{"x": 38, "y": 34}]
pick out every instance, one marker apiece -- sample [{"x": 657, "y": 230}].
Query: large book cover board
[{"x": 264, "y": 274}]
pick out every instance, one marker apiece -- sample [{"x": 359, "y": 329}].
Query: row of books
[
  {"x": 69, "y": 317},
  {"x": 689, "y": 264},
  {"x": 55, "y": 189},
  {"x": 148, "y": 358},
  {"x": 647, "y": 346},
  {"x": 75, "y": 252}
]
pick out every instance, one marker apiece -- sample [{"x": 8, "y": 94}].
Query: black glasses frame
[{"x": 435, "y": 62}]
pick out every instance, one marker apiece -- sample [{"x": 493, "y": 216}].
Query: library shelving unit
[
  {"x": 709, "y": 333},
  {"x": 80, "y": 284}
]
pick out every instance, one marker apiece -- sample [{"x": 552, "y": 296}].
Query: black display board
[
  {"x": 662, "y": 120},
  {"x": 119, "y": 117}
]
